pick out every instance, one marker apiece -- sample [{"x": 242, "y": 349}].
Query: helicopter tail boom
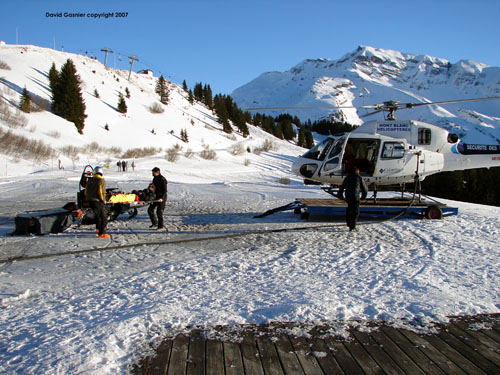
[{"x": 471, "y": 156}]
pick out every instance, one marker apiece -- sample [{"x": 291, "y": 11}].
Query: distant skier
[{"x": 354, "y": 186}]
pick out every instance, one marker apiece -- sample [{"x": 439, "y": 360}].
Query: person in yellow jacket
[{"x": 95, "y": 194}]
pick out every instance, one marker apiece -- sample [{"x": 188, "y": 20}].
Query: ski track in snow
[{"x": 98, "y": 312}]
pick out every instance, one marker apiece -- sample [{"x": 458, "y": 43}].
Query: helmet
[{"x": 98, "y": 170}]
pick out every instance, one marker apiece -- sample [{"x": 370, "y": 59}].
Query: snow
[
  {"x": 100, "y": 311},
  {"x": 97, "y": 312}
]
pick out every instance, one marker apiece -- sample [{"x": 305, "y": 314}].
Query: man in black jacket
[
  {"x": 160, "y": 184},
  {"x": 353, "y": 185}
]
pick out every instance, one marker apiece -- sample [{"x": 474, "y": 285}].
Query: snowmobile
[{"x": 117, "y": 202}]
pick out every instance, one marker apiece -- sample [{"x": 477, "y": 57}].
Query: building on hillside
[{"x": 147, "y": 72}]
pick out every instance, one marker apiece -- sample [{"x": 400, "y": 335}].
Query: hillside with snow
[
  {"x": 369, "y": 76},
  {"x": 139, "y": 128}
]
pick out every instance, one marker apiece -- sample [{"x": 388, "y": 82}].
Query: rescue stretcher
[{"x": 117, "y": 202}]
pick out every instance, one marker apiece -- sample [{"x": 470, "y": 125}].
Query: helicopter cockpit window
[
  {"x": 393, "y": 150},
  {"x": 424, "y": 136},
  {"x": 337, "y": 147},
  {"x": 319, "y": 151}
]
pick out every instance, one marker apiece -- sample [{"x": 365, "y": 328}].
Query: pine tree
[
  {"x": 67, "y": 100},
  {"x": 221, "y": 112},
  {"x": 184, "y": 86},
  {"x": 53, "y": 77},
  {"x": 122, "y": 105},
  {"x": 239, "y": 121},
  {"x": 207, "y": 96},
  {"x": 162, "y": 90},
  {"x": 198, "y": 92},
  {"x": 309, "y": 139},
  {"x": 96, "y": 94},
  {"x": 301, "y": 141},
  {"x": 127, "y": 92},
  {"x": 287, "y": 129},
  {"x": 25, "y": 102},
  {"x": 190, "y": 97}
]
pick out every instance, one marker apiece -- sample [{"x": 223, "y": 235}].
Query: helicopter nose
[{"x": 296, "y": 167}]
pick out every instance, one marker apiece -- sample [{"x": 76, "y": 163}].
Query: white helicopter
[{"x": 392, "y": 152}]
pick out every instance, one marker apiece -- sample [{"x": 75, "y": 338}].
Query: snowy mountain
[
  {"x": 109, "y": 135},
  {"x": 370, "y": 76}
]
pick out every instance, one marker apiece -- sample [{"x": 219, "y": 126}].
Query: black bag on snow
[{"x": 43, "y": 222}]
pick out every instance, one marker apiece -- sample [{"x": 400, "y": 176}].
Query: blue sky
[{"x": 227, "y": 43}]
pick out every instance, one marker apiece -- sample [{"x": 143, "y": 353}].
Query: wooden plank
[
  {"x": 364, "y": 360},
  {"x": 490, "y": 332},
  {"x": 289, "y": 361},
  {"x": 343, "y": 357},
  {"x": 325, "y": 358},
  {"x": 457, "y": 349},
  {"x": 441, "y": 354},
  {"x": 308, "y": 362},
  {"x": 250, "y": 354},
  {"x": 480, "y": 338},
  {"x": 159, "y": 363},
  {"x": 233, "y": 362},
  {"x": 378, "y": 354},
  {"x": 178, "y": 357},
  {"x": 395, "y": 353},
  {"x": 473, "y": 341},
  {"x": 269, "y": 357},
  {"x": 412, "y": 351},
  {"x": 215, "y": 358},
  {"x": 466, "y": 351},
  {"x": 196, "y": 356}
]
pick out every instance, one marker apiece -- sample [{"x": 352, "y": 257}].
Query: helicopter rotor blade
[
  {"x": 371, "y": 113},
  {"x": 411, "y": 105},
  {"x": 278, "y": 108},
  {"x": 386, "y": 106}
]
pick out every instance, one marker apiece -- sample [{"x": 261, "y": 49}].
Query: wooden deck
[{"x": 467, "y": 345}]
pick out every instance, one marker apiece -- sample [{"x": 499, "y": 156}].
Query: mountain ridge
[{"x": 368, "y": 76}]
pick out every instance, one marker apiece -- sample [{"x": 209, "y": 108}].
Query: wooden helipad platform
[
  {"x": 467, "y": 345},
  {"x": 382, "y": 208}
]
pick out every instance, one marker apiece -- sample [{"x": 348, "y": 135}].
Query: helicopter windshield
[{"x": 319, "y": 151}]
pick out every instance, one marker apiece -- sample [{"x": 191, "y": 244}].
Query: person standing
[
  {"x": 160, "y": 184},
  {"x": 95, "y": 194},
  {"x": 354, "y": 186}
]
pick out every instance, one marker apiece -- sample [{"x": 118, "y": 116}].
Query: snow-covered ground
[{"x": 100, "y": 311}]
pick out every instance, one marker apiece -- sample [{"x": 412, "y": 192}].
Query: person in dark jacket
[
  {"x": 160, "y": 184},
  {"x": 95, "y": 194},
  {"x": 353, "y": 186}
]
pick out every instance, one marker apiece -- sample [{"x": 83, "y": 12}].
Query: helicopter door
[
  {"x": 332, "y": 163},
  {"x": 391, "y": 158},
  {"x": 361, "y": 153}
]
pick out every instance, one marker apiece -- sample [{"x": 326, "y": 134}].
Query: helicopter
[{"x": 391, "y": 152}]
